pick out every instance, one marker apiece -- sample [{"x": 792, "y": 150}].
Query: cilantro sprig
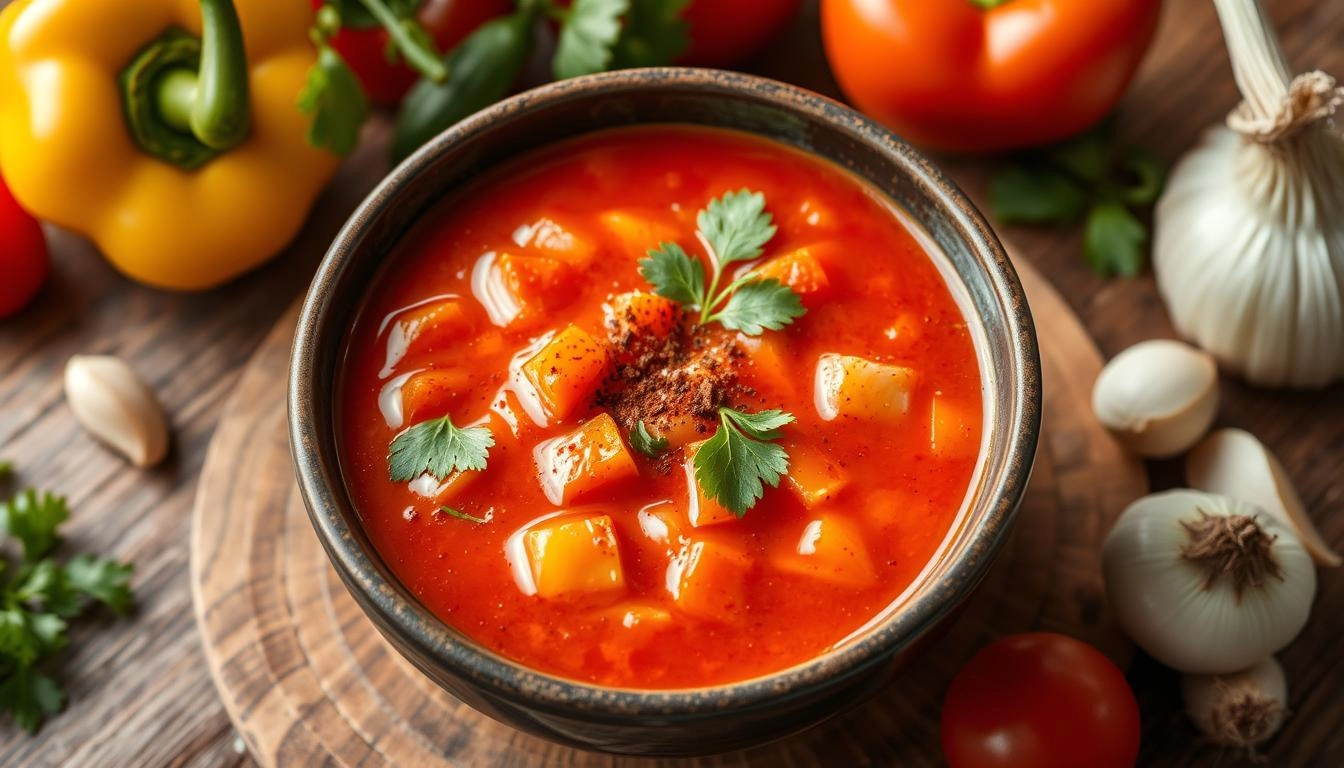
[
  {"x": 734, "y": 466},
  {"x": 438, "y": 447},
  {"x": 645, "y": 443},
  {"x": 460, "y": 515},
  {"x": 39, "y": 596},
  {"x": 735, "y": 228}
]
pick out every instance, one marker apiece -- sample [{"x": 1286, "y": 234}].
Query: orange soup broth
[{"x": 886, "y": 301}]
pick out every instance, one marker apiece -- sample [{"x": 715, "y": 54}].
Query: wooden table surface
[{"x": 140, "y": 694}]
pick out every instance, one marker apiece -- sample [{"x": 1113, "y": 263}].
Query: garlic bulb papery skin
[
  {"x": 1157, "y": 397},
  {"x": 1241, "y": 709},
  {"x": 1248, "y": 245},
  {"x": 1204, "y": 583},
  {"x": 1232, "y": 462}
]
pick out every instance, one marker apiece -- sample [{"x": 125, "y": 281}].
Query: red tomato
[
  {"x": 950, "y": 75},
  {"x": 23, "y": 255},
  {"x": 447, "y": 21},
  {"x": 726, "y": 33},
  {"x": 1040, "y": 700}
]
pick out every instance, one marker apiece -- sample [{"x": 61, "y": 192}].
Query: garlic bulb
[
  {"x": 115, "y": 405},
  {"x": 1204, "y": 583},
  {"x": 1233, "y": 463},
  {"x": 1248, "y": 247},
  {"x": 1241, "y": 709},
  {"x": 1157, "y": 397}
]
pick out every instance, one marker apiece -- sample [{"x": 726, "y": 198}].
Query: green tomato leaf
[
  {"x": 654, "y": 34},
  {"x": 101, "y": 579},
  {"x": 733, "y": 468},
  {"x": 439, "y": 448},
  {"x": 674, "y": 274},
  {"x": 336, "y": 102},
  {"x": 1020, "y": 194},
  {"x": 33, "y": 520},
  {"x": 645, "y": 443},
  {"x": 587, "y": 36},
  {"x": 1148, "y": 172},
  {"x": 1113, "y": 241},
  {"x": 760, "y": 305},
  {"x": 30, "y": 696},
  {"x": 736, "y": 226}
]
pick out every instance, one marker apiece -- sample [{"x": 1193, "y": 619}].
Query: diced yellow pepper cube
[
  {"x": 855, "y": 388},
  {"x": 637, "y": 233},
  {"x": 798, "y": 269},
  {"x": 813, "y": 477},
  {"x": 574, "y": 557},
  {"x": 701, "y": 509},
  {"x": 709, "y": 578},
  {"x": 585, "y": 460},
  {"x": 567, "y": 371},
  {"x": 952, "y": 428},
  {"x": 831, "y": 549},
  {"x": 439, "y": 325}
]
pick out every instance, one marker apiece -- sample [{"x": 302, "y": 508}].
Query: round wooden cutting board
[{"x": 308, "y": 680}]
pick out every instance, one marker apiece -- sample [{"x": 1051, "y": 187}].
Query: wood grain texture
[
  {"x": 308, "y": 679},
  {"x": 140, "y": 690}
]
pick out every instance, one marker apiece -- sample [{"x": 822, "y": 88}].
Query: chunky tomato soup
[{"x": 565, "y": 455}]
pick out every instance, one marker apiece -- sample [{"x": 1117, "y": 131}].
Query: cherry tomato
[
  {"x": 1040, "y": 700},
  {"x": 950, "y": 75},
  {"x": 447, "y": 21},
  {"x": 23, "y": 255},
  {"x": 726, "y": 33}
]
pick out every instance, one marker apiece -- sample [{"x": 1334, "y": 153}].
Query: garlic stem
[
  {"x": 1258, "y": 63},
  {"x": 1234, "y": 546}
]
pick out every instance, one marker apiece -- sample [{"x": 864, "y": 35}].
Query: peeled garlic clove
[
  {"x": 1240, "y": 710},
  {"x": 114, "y": 405},
  {"x": 1157, "y": 397},
  {"x": 1232, "y": 462}
]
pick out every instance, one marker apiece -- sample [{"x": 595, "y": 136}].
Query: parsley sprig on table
[
  {"x": 438, "y": 447},
  {"x": 734, "y": 466},
  {"x": 38, "y": 596},
  {"x": 735, "y": 228}
]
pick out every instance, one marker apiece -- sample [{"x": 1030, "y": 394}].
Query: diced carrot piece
[
  {"x": 702, "y": 510},
  {"x": 427, "y": 327},
  {"x": 708, "y": 578},
  {"x": 567, "y": 371},
  {"x": 951, "y": 428},
  {"x": 831, "y": 549},
  {"x": 798, "y": 269},
  {"x": 575, "y": 557},
  {"x": 585, "y": 460},
  {"x": 812, "y": 476},
  {"x": 637, "y": 233},
  {"x": 444, "y": 491},
  {"x": 547, "y": 237},
  {"x": 770, "y": 363},
  {"x": 856, "y": 388},
  {"x": 643, "y": 314},
  {"x": 537, "y": 283},
  {"x": 431, "y": 394}
]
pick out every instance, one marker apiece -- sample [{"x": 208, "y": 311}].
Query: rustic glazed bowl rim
[{"x": 335, "y": 519}]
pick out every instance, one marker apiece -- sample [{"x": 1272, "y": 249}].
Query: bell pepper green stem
[
  {"x": 221, "y": 113},
  {"x": 422, "y": 57},
  {"x": 176, "y": 96}
]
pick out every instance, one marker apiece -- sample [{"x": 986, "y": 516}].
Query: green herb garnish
[
  {"x": 587, "y": 36},
  {"x": 39, "y": 596},
  {"x": 1085, "y": 178},
  {"x": 736, "y": 228},
  {"x": 734, "y": 465},
  {"x": 460, "y": 515},
  {"x": 645, "y": 443},
  {"x": 439, "y": 448}
]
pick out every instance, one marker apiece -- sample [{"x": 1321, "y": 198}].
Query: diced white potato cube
[{"x": 856, "y": 388}]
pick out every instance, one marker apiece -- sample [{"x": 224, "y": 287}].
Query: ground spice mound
[{"x": 673, "y": 384}]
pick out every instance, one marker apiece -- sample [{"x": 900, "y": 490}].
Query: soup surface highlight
[{"x": 620, "y": 435}]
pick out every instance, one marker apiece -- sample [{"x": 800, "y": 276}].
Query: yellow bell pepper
[{"x": 197, "y": 171}]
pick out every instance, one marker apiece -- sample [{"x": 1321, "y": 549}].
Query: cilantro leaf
[
  {"x": 1086, "y": 156},
  {"x": 336, "y": 102},
  {"x": 1113, "y": 240},
  {"x": 736, "y": 226},
  {"x": 1031, "y": 195},
  {"x": 33, "y": 520},
  {"x": 674, "y": 274},
  {"x": 439, "y": 448},
  {"x": 645, "y": 443},
  {"x": 760, "y": 304},
  {"x": 460, "y": 515},
  {"x": 586, "y": 38},
  {"x": 654, "y": 34},
  {"x": 1149, "y": 174},
  {"x": 102, "y": 579},
  {"x": 18, "y": 640},
  {"x": 734, "y": 466},
  {"x": 30, "y": 696}
]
